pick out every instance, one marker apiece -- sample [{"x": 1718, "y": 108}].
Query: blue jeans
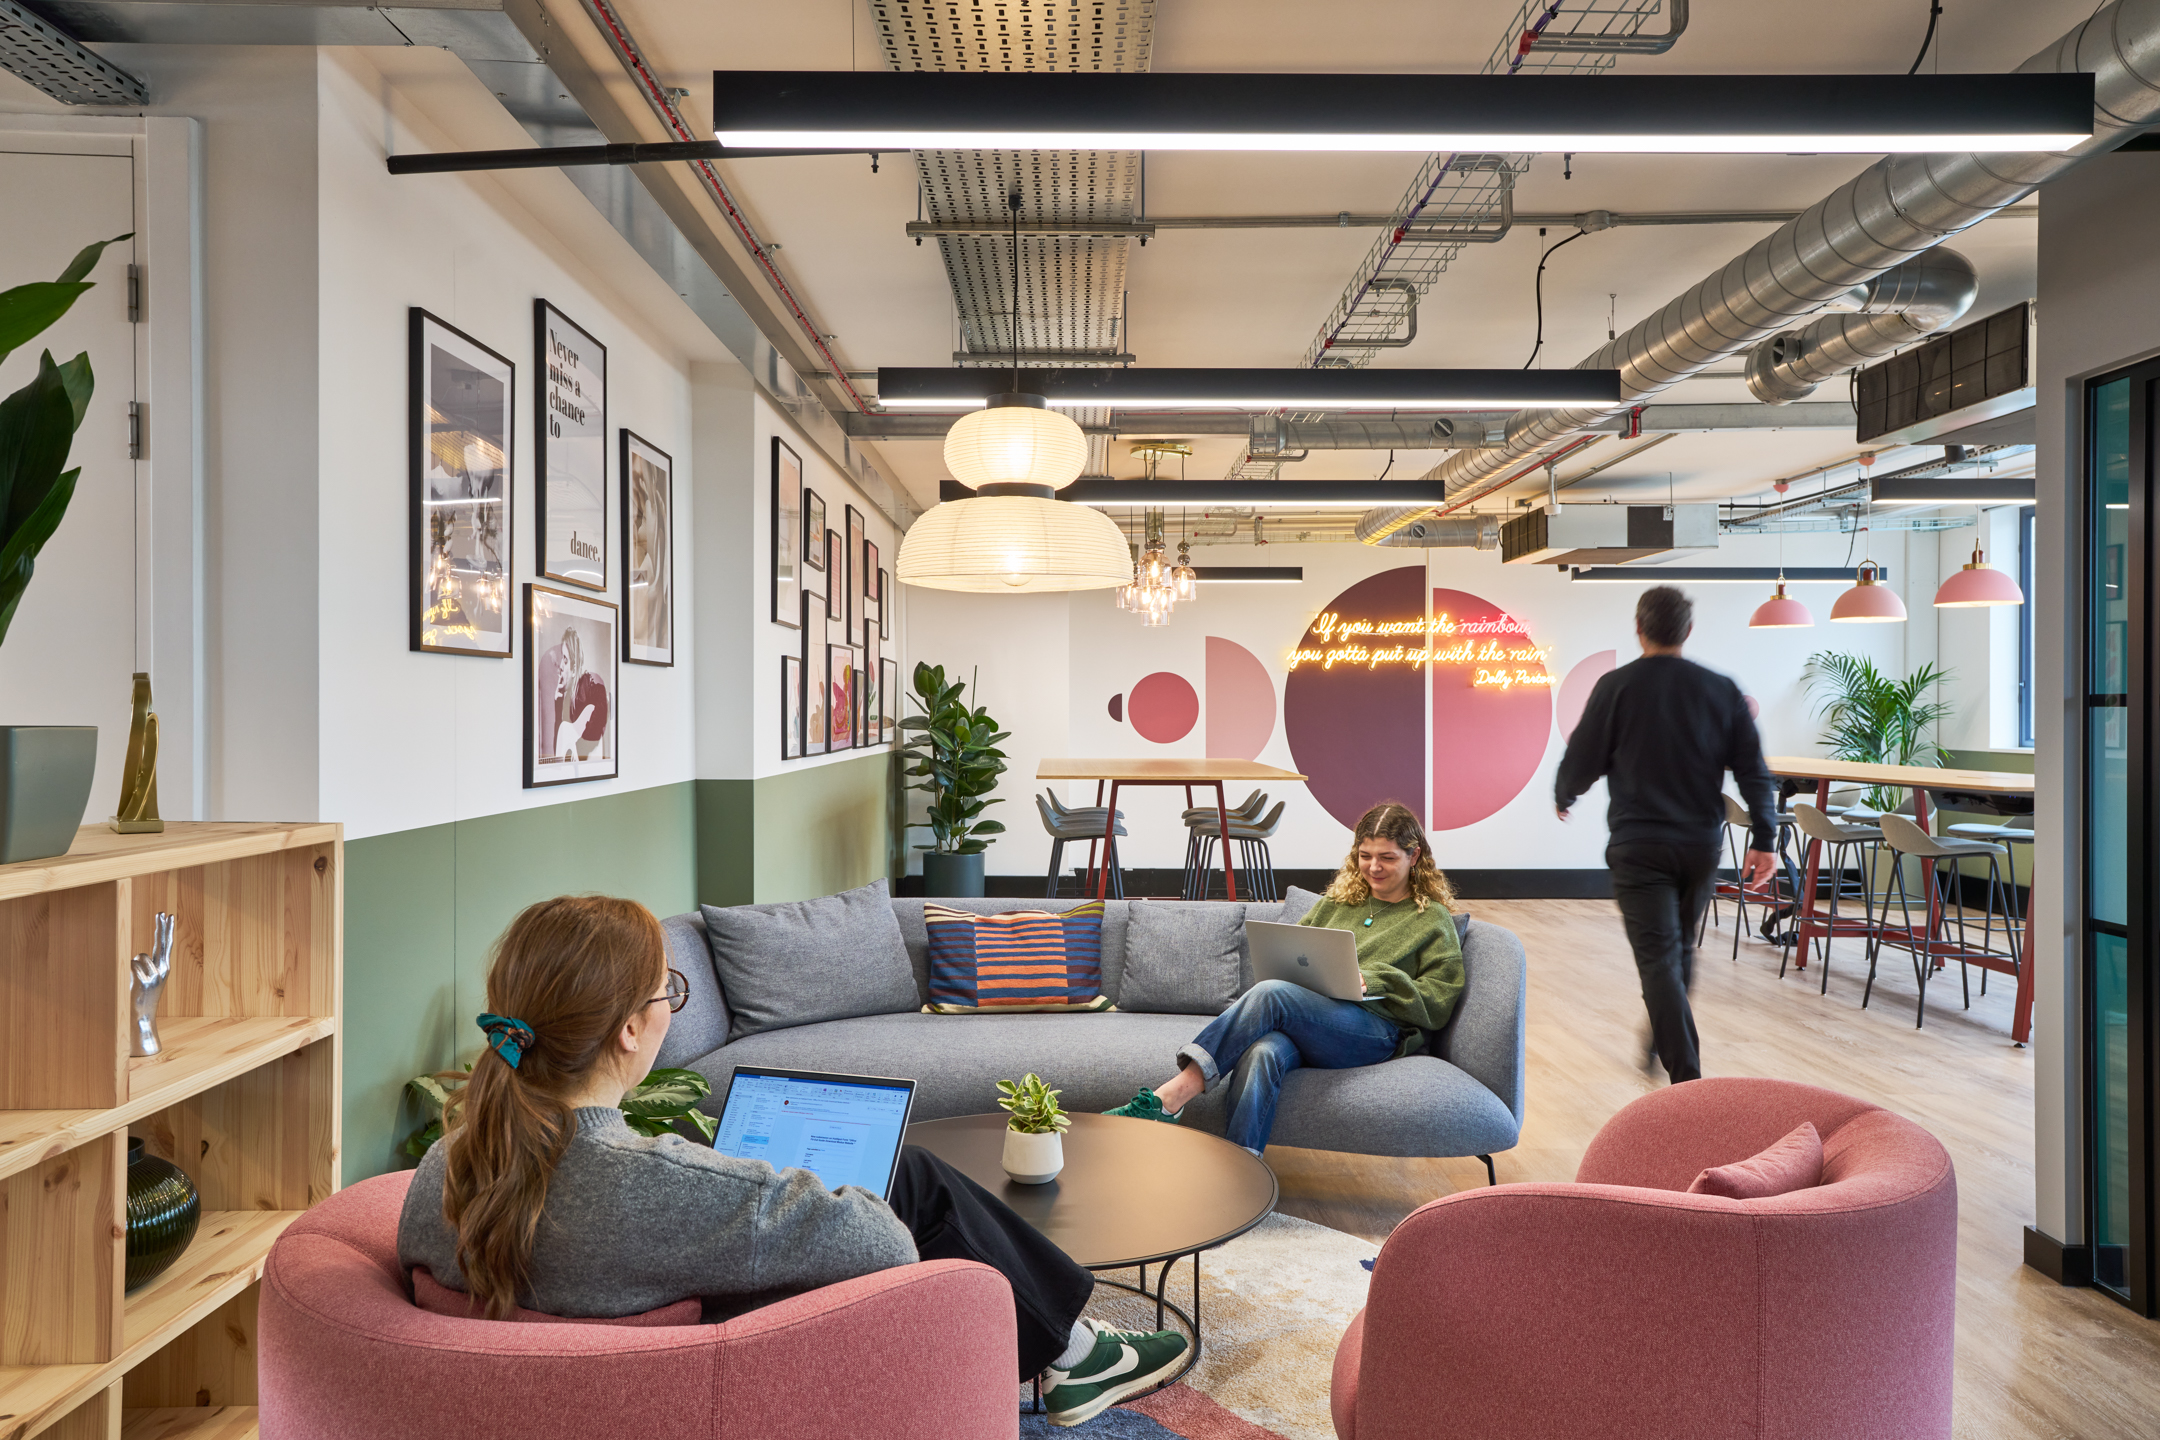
[{"x": 1271, "y": 1030}]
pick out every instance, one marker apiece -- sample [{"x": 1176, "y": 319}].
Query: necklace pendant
[{"x": 1368, "y": 922}]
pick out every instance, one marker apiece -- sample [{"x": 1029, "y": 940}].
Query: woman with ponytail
[
  {"x": 539, "y": 1195},
  {"x": 1396, "y": 902}
]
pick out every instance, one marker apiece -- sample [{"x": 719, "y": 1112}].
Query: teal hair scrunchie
[{"x": 508, "y": 1038}]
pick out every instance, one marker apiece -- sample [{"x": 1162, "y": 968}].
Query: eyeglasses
[{"x": 678, "y": 991}]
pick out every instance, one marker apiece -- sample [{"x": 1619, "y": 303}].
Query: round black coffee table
[{"x": 1133, "y": 1193}]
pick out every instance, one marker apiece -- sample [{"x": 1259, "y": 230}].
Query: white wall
[
  {"x": 1049, "y": 665},
  {"x": 411, "y": 739},
  {"x": 1979, "y": 647}
]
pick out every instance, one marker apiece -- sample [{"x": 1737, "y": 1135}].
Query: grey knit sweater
[{"x": 632, "y": 1224}]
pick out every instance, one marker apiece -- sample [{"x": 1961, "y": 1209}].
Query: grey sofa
[{"x": 1465, "y": 1099}]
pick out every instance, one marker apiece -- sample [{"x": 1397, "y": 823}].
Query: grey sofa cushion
[
  {"x": 1418, "y": 1105},
  {"x": 1295, "y": 902},
  {"x": 1097, "y": 1060},
  {"x": 916, "y": 936},
  {"x": 1183, "y": 958},
  {"x": 702, "y": 1024},
  {"x": 798, "y": 963},
  {"x": 1485, "y": 1036}
]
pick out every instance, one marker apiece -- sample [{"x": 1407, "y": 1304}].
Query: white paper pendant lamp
[
  {"x": 1016, "y": 440},
  {"x": 1013, "y": 544}
]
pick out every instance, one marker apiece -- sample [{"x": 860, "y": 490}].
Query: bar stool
[
  {"x": 1254, "y": 860},
  {"x": 1737, "y": 824},
  {"x": 1202, "y": 818},
  {"x": 1077, "y": 825},
  {"x": 1905, "y": 838},
  {"x": 2017, "y": 831},
  {"x": 1837, "y": 840}
]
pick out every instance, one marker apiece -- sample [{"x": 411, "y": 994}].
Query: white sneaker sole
[{"x": 1133, "y": 1385}]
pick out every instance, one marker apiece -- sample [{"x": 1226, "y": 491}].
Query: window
[{"x": 2025, "y": 627}]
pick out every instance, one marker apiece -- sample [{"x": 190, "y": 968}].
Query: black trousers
[
  {"x": 1662, "y": 890},
  {"x": 953, "y": 1218}
]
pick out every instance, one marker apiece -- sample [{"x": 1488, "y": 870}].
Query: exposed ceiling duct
[
  {"x": 1072, "y": 285},
  {"x": 1905, "y": 303},
  {"x": 1889, "y": 213},
  {"x": 1440, "y": 532}
]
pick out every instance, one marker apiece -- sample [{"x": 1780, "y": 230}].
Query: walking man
[{"x": 1663, "y": 731}]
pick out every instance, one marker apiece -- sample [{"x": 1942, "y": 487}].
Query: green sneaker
[
  {"x": 1123, "y": 1362},
  {"x": 1144, "y": 1106}
]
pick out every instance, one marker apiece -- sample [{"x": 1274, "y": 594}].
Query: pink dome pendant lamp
[
  {"x": 1781, "y": 611},
  {"x": 1977, "y": 585},
  {"x": 1869, "y": 601}
]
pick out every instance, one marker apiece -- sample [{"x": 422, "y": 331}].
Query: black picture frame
[
  {"x": 570, "y": 486},
  {"x": 856, "y": 540},
  {"x": 836, "y": 591},
  {"x": 839, "y": 699},
  {"x": 552, "y": 617},
  {"x": 859, "y": 696},
  {"x": 813, "y": 542},
  {"x": 888, "y": 693},
  {"x": 787, "y": 533},
  {"x": 884, "y": 610},
  {"x": 817, "y": 730},
  {"x": 791, "y": 707},
  {"x": 466, "y": 406},
  {"x": 647, "y": 476}
]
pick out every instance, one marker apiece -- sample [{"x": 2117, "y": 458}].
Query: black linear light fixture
[
  {"x": 1719, "y": 575},
  {"x": 1215, "y": 388},
  {"x": 1640, "y": 114},
  {"x": 1249, "y": 574},
  {"x": 1288, "y": 494}
]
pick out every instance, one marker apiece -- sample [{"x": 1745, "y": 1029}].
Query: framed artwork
[
  {"x": 570, "y": 478},
  {"x": 836, "y": 592},
  {"x": 888, "y": 701},
  {"x": 873, "y": 705},
  {"x": 459, "y": 405},
  {"x": 787, "y": 533},
  {"x": 884, "y": 611},
  {"x": 858, "y": 580},
  {"x": 791, "y": 711},
  {"x": 571, "y": 683},
  {"x": 813, "y": 542},
  {"x": 870, "y": 573},
  {"x": 817, "y": 727},
  {"x": 839, "y": 697},
  {"x": 648, "y": 545}
]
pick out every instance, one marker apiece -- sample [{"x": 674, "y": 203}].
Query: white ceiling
[{"x": 1256, "y": 297}]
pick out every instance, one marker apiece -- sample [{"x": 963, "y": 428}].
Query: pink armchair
[
  {"x": 925, "y": 1351},
  {"x": 1621, "y": 1306}
]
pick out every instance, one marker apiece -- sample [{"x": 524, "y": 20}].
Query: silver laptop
[
  {"x": 1318, "y": 958},
  {"x": 844, "y": 1129}
]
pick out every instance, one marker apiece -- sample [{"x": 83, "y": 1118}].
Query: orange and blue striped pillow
[{"x": 1019, "y": 961}]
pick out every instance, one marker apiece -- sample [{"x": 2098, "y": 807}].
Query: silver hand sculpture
[{"x": 150, "y": 972}]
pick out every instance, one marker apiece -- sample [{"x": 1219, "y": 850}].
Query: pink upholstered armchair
[
  {"x": 925, "y": 1351},
  {"x": 1621, "y": 1306}
]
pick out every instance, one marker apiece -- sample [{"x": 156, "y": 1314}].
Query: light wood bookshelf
[{"x": 244, "y": 1097}]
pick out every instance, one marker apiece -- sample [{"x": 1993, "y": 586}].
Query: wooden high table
[
  {"x": 1920, "y": 779},
  {"x": 1188, "y": 773}
]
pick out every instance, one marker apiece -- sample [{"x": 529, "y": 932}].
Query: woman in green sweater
[{"x": 1392, "y": 898}]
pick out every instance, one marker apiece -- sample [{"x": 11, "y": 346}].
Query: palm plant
[{"x": 1876, "y": 720}]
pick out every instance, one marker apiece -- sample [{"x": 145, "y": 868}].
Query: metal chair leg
[
  {"x": 1491, "y": 1177},
  {"x": 1057, "y": 853}
]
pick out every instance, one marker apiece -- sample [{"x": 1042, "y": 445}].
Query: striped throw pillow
[{"x": 1019, "y": 961}]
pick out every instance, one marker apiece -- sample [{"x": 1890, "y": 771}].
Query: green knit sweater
[{"x": 1413, "y": 959}]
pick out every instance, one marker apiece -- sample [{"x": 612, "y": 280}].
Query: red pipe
[{"x": 1535, "y": 465}]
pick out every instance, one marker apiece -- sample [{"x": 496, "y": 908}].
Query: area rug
[{"x": 1273, "y": 1304}]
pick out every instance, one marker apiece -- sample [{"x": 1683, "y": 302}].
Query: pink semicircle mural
[
  {"x": 1164, "y": 707},
  {"x": 1575, "y": 689},
  {"x": 1240, "y": 701},
  {"x": 1487, "y": 738},
  {"x": 1357, "y": 732}
]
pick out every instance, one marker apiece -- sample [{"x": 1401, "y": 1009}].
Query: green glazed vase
[{"x": 163, "y": 1209}]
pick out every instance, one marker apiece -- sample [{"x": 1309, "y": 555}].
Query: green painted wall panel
[
  {"x": 825, "y": 828},
  {"x": 726, "y": 842},
  {"x": 422, "y": 908}
]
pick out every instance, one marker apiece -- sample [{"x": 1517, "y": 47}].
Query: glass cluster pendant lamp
[{"x": 1156, "y": 585}]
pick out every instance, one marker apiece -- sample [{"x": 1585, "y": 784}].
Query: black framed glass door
[{"x": 2120, "y": 853}]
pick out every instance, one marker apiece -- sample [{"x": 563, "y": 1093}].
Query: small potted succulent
[{"x": 1034, "y": 1136}]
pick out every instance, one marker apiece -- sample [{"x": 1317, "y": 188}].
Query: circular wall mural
[
  {"x": 1575, "y": 690},
  {"x": 1492, "y": 708},
  {"x": 1357, "y": 731},
  {"x": 1164, "y": 707}
]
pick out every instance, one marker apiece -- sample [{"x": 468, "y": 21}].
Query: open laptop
[
  {"x": 1313, "y": 956},
  {"x": 844, "y": 1129}
]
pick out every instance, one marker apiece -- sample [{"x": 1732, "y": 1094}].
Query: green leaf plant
[
  {"x": 1033, "y": 1106},
  {"x": 38, "y": 424},
  {"x": 1876, "y": 720},
  {"x": 956, "y": 759},
  {"x": 659, "y": 1102}
]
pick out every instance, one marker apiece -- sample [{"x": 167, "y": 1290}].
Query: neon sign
[{"x": 1498, "y": 651}]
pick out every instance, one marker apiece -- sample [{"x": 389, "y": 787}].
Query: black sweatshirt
[{"x": 1664, "y": 731}]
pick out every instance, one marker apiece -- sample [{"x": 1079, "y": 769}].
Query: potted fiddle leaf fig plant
[
  {"x": 45, "y": 770},
  {"x": 1035, "y": 1131},
  {"x": 956, "y": 759}
]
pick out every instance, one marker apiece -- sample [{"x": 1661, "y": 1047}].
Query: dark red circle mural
[
  {"x": 1357, "y": 731},
  {"x": 1164, "y": 707}
]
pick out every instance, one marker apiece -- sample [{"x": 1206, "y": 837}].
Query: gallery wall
[{"x": 1074, "y": 676}]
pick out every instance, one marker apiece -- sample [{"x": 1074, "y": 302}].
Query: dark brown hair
[
  {"x": 574, "y": 970},
  {"x": 1392, "y": 822},
  {"x": 1664, "y": 615}
]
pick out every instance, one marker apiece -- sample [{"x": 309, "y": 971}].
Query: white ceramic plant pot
[{"x": 1034, "y": 1159}]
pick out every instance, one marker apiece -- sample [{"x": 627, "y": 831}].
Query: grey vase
[
  {"x": 45, "y": 775},
  {"x": 953, "y": 876}
]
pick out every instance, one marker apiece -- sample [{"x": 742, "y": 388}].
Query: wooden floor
[{"x": 2033, "y": 1358}]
